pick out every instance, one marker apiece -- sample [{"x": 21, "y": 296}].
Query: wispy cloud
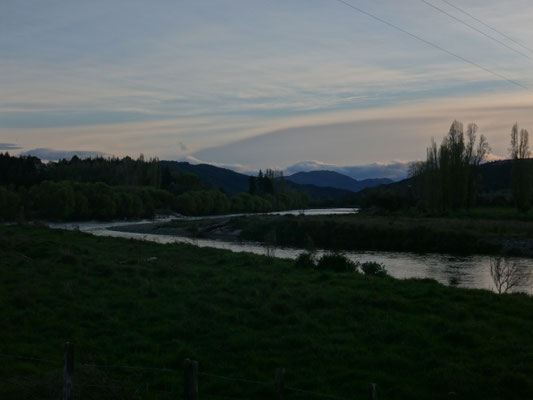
[
  {"x": 54, "y": 155},
  {"x": 378, "y": 134},
  {"x": 9, "y": 146},
  {"x": 98, "y": 75}
]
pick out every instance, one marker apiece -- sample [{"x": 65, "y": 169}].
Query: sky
[{"x": 255, "y": 84}]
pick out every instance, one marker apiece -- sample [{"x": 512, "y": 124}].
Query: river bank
[
  {"x": 131, "y": 302},
  {"x": 468, "y": 271},
  {"x": 360, "y": 232}
]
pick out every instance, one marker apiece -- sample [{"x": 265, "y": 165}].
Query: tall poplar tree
[{"x": 521, "y": 173}]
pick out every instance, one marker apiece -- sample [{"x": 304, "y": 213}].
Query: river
[{"x": 463, "y": 271}]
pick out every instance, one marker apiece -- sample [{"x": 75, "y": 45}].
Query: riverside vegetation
[
  {"x": 475, "y": 234},
  {"x": 129, "y": 302},
  {"x": 370, "y": 232}
]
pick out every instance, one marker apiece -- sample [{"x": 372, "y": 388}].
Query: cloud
[
  {"x": 9, "y": 146},
  {"x": 395, "y": 170},
  {"x": 362, "y": 137},
  {"x": 182, "y": 146},
  {"x": 54, "y": 155},
  {"x": 99, "y": 75},
  {"x": 494, "y": 157}
]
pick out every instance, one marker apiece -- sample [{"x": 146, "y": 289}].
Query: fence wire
[
  {"x": 140, "y": 368},
  {"x": 229, "y": 378},
  {"x": 316, "y": 394},
  {"x": 29, "y": 358},
  {"x": 167, "y": 370}
]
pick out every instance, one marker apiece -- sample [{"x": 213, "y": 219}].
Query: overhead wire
[
  {"x": 438, "y": 47},
  {"x": 474, "y": 28},
  {"x": 487, "y": 25}
]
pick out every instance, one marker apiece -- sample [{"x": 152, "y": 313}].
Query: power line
[
  {"x": 474, "y": 28},
  {"x": 466, "y": 60},
  {"x": 487, "y": 25}
]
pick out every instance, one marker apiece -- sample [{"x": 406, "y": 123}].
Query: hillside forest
[{"x": 113, "y": 188}]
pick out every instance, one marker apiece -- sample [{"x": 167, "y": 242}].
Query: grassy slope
[{"x": 242, "y": 315}]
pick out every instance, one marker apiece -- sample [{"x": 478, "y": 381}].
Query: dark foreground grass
[{"x": 243, "y": 316}]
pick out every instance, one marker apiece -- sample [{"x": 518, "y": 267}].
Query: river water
[{"x": 463, "y": 271}]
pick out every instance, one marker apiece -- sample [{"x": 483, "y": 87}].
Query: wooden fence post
[
  {"x": 191, "y": 380},
  {"x": 373, "y": 392},
  {"x": 68, "y": 371},
  {"x": 279, "y": 384}
]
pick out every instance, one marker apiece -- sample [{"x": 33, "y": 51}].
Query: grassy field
[{"x": 133, "y": 303}]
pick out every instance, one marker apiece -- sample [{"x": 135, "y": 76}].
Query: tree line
[
  {"x": 68, "y": 200},
  {"x": 110, "y": 188},
  {"x": 27, "y": 171},
  {"x": 449, "y": 179},
  {"x": 522, "y": 171}
]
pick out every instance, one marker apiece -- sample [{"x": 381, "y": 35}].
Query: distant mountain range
[
  {"x": 232, "y": 182},
  {"x": 335, "y": 180},
  {"x": 327, "y": 186},
  {"x": 395, "y": 170}
]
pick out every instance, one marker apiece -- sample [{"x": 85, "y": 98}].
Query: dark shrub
[
  {"x": 305, "y": 260},
  {"x": 373, "y": 268},
  {"x": 337, "y": 262}
]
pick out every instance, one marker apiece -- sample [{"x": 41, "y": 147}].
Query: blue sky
[{"x": 257, "y": 83}]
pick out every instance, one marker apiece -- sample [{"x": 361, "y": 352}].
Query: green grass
[{"x": 243, "y": 316}]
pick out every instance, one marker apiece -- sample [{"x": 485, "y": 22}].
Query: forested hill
[
  {"x": 231, "y": 182},
  {"x": 228, "y": 181},
  {"x": 494, "y": 188},
  {"x": 494, "y": 177},
  {"x": 172, "y": 175},
  {"x": 322, "y": 195},
  {"x": 126, "y": 188}
]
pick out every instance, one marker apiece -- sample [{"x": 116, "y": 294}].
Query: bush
[
  {"x": 336, "y": 262},
  {"x": 9, "y": 204},
  {"x": 373, "y": 268},
  {"x": 305, "y": 260}
]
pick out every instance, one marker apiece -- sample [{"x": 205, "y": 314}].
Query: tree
[
  {"x": 507, "y": 274},
  {"x": 521, "y": 181},
  {"x": 519, "y": 143},
  {"x": 252, "y": 185},
  {"x": 9, "y": 204},
  {"x": 264, "y": 184},
  {"x": 449, "y": 175}
]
